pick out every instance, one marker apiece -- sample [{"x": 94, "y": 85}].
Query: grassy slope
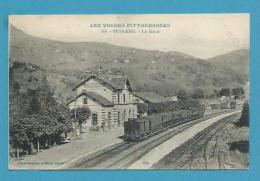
[
  {"x": 163, "y": 72},
  {"x": 237, "y": 60}
]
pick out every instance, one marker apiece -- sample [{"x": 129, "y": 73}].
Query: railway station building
[{"x": 109, "y": 99}]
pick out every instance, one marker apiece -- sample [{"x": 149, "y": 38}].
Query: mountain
[
  {"x": 237, "y": 60},
  {"x": 166, "y": 73}
]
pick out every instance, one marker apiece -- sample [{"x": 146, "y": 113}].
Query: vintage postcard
[{"x": 139, "y": 91}]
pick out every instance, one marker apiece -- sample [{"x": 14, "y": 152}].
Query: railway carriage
[{"x": 140, "y": 128}]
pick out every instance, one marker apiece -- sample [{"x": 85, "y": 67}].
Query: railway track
[
  {"x": 192, "y": 154},
  {"x": 123, "y": 155}
]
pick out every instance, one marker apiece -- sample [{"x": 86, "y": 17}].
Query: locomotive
[{"x": 142, "y": 127}]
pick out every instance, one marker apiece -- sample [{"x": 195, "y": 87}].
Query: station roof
[
  {"x": 114, "y": 83},
  {"x": 151, "y": 97},
  {"x": 95, "y": 97}
]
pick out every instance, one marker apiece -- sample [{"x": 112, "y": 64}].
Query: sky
[{"x": 199, "y": 35}]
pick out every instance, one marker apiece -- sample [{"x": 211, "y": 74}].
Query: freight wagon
[{"x": 139, "y": 128}]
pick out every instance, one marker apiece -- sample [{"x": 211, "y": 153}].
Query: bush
[
  {"x": 244, "y": 119},
  {"x": 242, "y": 146}
]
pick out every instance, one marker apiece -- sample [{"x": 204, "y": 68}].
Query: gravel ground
[
  {"x": 210, "y": 150},
  {"x": 57, "y": 156}
]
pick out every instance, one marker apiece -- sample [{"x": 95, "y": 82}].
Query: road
[{"x": 124, "y": 155}]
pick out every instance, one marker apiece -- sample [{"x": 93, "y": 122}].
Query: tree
[
  {"x": 216, "y": 93},
  {"x": 182, "y": 95},
  {"x": 236, "y": 97},
  {"x": 224, "y": 92},
  {"x": 237, "y": 92},
  {"x": 142, "y": 108},
  {"x": 16, "y": 86},
  {"x": 198, "y": 94},
  {"x": 34, "y": 105},
  {"x": 47, "y": 118},
  {"x": 35, "y": 117},
  {"x": 81, "y": 114},
  {"x": 18, "y": 103},
  {"x": 244, "y": 119},
  {"x": 128, "y": 85}
]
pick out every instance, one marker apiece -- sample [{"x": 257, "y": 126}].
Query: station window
[
  {"x": 109, "y": 118},
  {"x": 124, "y": 97},
  {"x": 124, "y": 116},
  {"x": 94, "y": 118},
  {"x": 85, "y": 100},
  {"x": 118, "y": 118}
]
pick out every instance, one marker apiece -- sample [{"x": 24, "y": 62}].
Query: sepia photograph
[{"x": 129, "y": 91}]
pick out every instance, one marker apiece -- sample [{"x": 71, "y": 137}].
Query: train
[{"x": 136, "y": 129}]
